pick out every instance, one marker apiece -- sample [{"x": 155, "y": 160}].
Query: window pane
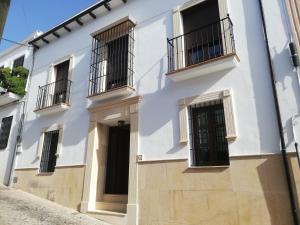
[
  {"x": 48, "y": 159},
  {"x": 5, "y": 131},
  {"x": 18, "y": 62},
  {"x": 210, "y": 147},
  {"x": 61, "y": 82}
]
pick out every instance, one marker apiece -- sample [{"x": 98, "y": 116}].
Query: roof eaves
[
  {"x": 65, "y": 24},
  {"x": 24, "y": 42}
]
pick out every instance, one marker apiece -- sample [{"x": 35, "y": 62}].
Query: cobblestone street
[{"x": 20, "y": 208}]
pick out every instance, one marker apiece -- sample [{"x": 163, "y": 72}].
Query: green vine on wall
[{"x": 14, "y": 80}]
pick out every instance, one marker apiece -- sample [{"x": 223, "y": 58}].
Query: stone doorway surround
[{"x": 101, "y": 117}]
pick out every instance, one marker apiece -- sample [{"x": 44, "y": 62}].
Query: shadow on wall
[
  {"x": 274, "y": 187},
  {"x": 295, "y": 172},
  {"x": 259, "y": 187},
  {"x": 272, "y": 178},
  {"x": 287, "y": 81},
  {"x": 286, "y": 78},
  {"x": 265, "y": 108}
]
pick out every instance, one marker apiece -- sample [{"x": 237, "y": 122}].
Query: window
[
  {"x": 208, "y": 134},
  {"x": 202, "y": 31},
  {"x": 112, "y": 59},
  {"x": 5, "y": 131},
  {"x": 203, "y": 37},
  {"x": 212, "y": 127},
  {"x": 48, "y": 159},
  {"x": 18, "y": 62},
  {"x": 57, "y": 92},
  {"x": 61, "y": 82}
]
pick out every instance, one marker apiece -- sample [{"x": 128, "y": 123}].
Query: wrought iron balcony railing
[
  {"x": 53, "y": 94},
  {"x": 205, "y": 43}
]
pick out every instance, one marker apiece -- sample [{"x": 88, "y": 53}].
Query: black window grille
[
  {"x": 5, "y": 131},
  {"x": 112, "y": 59},
  {"x": 18, "y": 62},
  {"x": 208, "y": 135},
  {"x": 48, "y": 159}
]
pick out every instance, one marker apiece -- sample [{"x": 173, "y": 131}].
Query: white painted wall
[
  {"x": 7, "y": 57},
  {"x": 14, "y": 109},
  {"x": 6, "y": 155},
  {"x": 287, "y": 81},
  {"x": 159, "y": 126}
]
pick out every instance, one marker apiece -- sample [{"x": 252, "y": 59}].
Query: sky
[{"x": 28, "y": 16}]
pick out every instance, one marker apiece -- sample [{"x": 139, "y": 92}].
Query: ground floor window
[
  {"x": 5, "y": 131},
  {"x": 48, "y": 159},
  {"x": 208, "y": 134}
]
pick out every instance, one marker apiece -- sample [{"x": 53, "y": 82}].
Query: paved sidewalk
[{"x": 20, "y": 208}]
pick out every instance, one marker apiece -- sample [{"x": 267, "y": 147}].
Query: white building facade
[
  {"x": 11, "y": 105},
  {"x": 150, "y": 112}
]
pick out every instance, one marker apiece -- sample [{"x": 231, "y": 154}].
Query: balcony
[
  {"x": 111, "y": 71},
  {"x": 12, "y": 84},
  {"x": 53, "y": 97},
  {"x": 208, "y": 49},
  {"x": 102, "y": 88},
  {"x": 8, "y": 97}
]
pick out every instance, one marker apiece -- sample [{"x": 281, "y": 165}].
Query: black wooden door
[{"x": 117, "y": 166}]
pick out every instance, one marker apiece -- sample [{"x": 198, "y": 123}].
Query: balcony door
[
  {"x": 202, "y": 39},
  {"x": 117, "y": 62},
  {"x": 61, "y": 82}
]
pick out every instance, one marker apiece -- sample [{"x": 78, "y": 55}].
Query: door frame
[{"x": 102, "y": 116}]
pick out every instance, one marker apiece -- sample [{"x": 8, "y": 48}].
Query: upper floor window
[
  {"x": 57, "y": 92},
  {"x": 201, "y": 33},
  {"x": 5, "y": 131},
  {"x": 208, "y": 134},
  {"x": 112, "y": 59},
  {"x": 61, "y": 82},
  {"x": 203, "y": 37},
  {"x": 18, "y": 62}
]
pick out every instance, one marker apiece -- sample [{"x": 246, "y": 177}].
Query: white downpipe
[{"x": 295, "y": 136}]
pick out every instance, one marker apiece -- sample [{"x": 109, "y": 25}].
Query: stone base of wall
[
  {"x": 252, "y": 191},
  {"x": 64, "y": 186}
]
